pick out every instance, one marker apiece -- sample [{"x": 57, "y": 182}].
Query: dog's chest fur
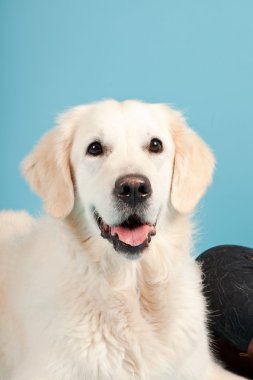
[
  {"x": 118, "y": 330},
  {"x": 123, "y": 326},
  {"x": 105, "y": 318}
]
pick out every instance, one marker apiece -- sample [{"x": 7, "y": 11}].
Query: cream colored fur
[{"x": 72, "y": 308}]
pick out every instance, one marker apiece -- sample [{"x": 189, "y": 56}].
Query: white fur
[{"x": 72, "y": 308}]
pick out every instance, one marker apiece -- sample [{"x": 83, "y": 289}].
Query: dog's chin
[{"x": 130, "y": 238}]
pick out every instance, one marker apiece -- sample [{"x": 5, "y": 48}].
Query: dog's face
[
  {"x": 129, "y": 164},
  {"x": 122, "y": 157}
]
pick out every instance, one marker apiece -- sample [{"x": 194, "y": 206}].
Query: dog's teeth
[{"x": 106, "y": 228}]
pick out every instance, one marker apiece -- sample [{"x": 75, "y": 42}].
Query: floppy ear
[
  {"x": 193, "y": 166},
  {"x": 47, "y": 168}
]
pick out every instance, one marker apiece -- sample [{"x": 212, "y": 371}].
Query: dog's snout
[{"x": 133, "y": 189}]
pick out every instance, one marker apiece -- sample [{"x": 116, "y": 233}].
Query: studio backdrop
[{"x": 195, "y": 55}]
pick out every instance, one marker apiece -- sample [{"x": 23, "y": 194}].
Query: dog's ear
[
  {"x": 47, "y": 168},
  {"x": 193, "y": 166}
]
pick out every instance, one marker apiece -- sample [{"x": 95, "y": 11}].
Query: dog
[{"x": 103, "y": 286}]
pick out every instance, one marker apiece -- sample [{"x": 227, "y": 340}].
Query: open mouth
[{"x": 130, "y": 237}]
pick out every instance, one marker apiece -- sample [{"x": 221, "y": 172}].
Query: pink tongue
[{"x": 132, "y": 237}]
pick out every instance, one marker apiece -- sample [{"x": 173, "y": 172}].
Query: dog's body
[{"x": 73, "y": 307}]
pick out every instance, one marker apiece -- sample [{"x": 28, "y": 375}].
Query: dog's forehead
[{"x": 118, "y": 119}]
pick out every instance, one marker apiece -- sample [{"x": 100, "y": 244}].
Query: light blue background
[{"x": 196, "y": 55}]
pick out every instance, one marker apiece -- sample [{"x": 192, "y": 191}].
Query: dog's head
[{"x": 128, "y": 165}]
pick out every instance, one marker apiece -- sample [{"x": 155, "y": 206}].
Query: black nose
[{"x": 132, "y": 189}]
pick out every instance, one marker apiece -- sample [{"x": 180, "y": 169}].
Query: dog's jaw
[{"x": 130, "y": 238}]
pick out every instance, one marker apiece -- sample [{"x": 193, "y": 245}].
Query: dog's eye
[
  {"x": 95, "y": 149},
  {"x": 155, "y": 146}
]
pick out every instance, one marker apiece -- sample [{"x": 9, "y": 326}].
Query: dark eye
[
  {"x": 95, "y": 149},
  {"x": 155, "y": 146}
]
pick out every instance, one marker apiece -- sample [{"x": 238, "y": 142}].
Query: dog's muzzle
[{"x": 133, "y": 235}]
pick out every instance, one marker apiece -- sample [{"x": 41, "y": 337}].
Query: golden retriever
[{"x": 103, "y": 286}]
